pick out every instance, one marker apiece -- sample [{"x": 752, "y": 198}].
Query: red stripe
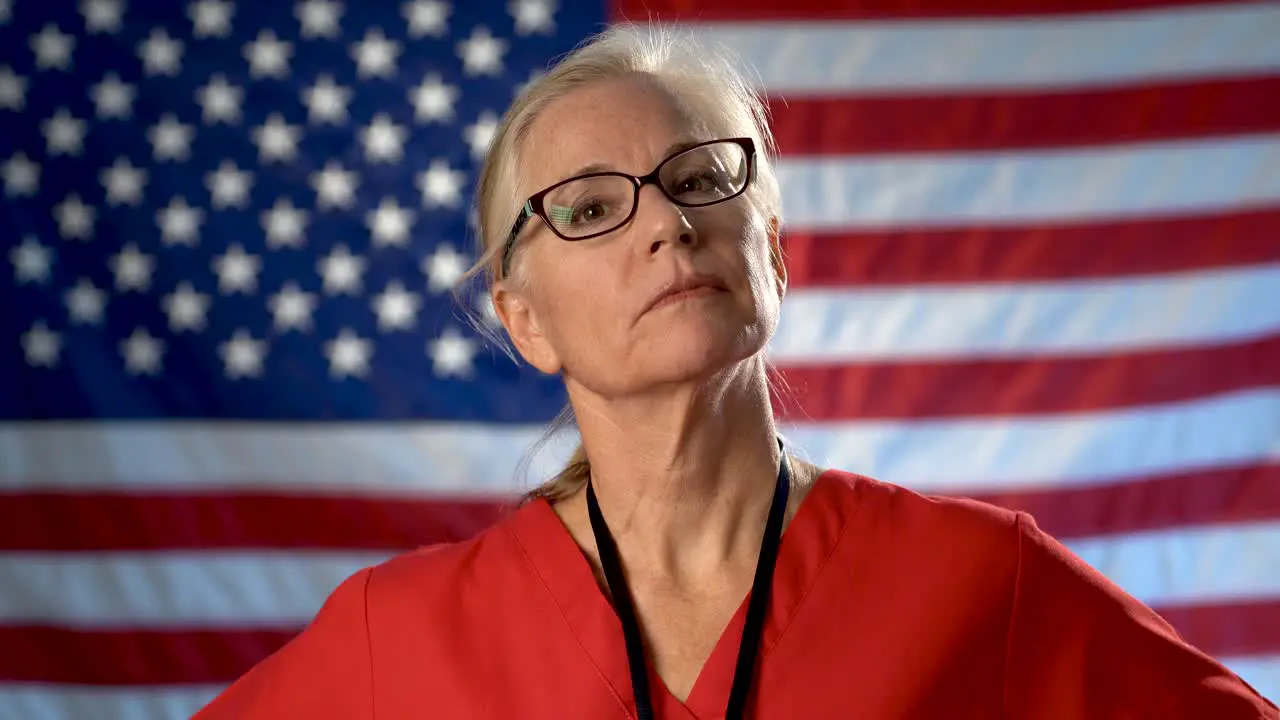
[
  {"x": 112, "y": 521},
  {"x": 717, "y": 10},
  {"x": 849, "y": 125},
  {"x": 1207, "y": 497},
  {"x": 132, "y": 657},
  {"x": 1004, "y": 387},
  {"x": 172, "y": 657},
  {"x": 1239, "y": 629},
  {"x": 1039, "y": 252},
  {"x": 106, "y": 522}
]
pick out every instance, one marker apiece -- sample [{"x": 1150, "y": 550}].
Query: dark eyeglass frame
[{"x": 534, "y": 205}]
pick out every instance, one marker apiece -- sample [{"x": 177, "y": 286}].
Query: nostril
[
  {"x": 686, "y": 238},
  {"x": 654, "y": 247}
]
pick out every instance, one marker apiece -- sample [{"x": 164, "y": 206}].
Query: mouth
[{"x": 688, "y": 288}]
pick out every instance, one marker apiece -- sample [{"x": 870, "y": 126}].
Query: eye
[
  {"x": 699, "y": 182},
  {"x": 590, "y": 212}
]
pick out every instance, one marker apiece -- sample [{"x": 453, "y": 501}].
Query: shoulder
[
  {"x": 926, "y": 518},
  {"x": 436, "y": 573},
  {"x": 328, "y": 668}
]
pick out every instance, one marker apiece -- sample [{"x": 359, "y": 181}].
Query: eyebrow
[{"x": 672, "y": 149}]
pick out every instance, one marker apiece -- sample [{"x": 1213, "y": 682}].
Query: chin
[{"x": 697, "y": 351}]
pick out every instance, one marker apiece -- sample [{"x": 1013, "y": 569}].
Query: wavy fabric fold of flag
[{"x": 1034, "y": 254}]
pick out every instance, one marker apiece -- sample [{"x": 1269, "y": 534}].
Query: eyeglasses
[{"x": 591, "y": 205}]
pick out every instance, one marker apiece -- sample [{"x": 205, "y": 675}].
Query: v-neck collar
[{"x": 807, "y": 542}]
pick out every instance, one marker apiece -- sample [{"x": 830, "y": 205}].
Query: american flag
[{"x": 1034, "y": 254}]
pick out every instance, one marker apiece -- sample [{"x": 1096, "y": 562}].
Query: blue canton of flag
[{"x": 256, "y": 210}]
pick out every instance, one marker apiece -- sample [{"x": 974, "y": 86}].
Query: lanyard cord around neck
[{"x": 751, "y": 631}]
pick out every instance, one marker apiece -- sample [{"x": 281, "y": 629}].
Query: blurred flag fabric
[{"x": 1034, "y": 250}]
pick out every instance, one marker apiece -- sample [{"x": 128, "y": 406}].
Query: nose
[{"x": 662, "y": 222}]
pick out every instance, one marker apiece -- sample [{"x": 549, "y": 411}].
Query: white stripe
[
  {"x": 1027, "y": 186},
  {"x": 283, "y": 589},
  {"x": 359, "y": 457},
  {"x": 1261, "y": 671},
  {"x": 1077, "y": 450},
  {"x": 967, "y": 454},
  {"x": 80, "y": 702},
  {"x": 234, "y": 589},
  {"x": 1190, "y": 565},
  {"x": 1078, "y": 317},
  {"x": 851, "y": 58}
]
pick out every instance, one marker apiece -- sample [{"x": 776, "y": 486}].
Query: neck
[{"x": 684, "y": 478}]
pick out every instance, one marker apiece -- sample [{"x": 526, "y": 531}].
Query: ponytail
[{"x": 568, "y": 481}]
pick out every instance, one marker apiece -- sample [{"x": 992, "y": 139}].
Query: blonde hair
[{"x": 705, "y": 80}]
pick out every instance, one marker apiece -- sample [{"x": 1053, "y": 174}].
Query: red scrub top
[{"x": 886, "y": 604}]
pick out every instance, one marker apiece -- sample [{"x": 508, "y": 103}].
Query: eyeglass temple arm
[{"x": 526, "y": 212}]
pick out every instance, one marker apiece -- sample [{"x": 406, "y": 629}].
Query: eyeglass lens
[{"x": 700, "y": 176}]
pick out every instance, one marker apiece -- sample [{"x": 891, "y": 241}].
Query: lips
[{"x": 685, "y": 285}]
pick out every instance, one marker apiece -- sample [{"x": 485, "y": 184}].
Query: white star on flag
[
  {"x": 229, "y": 186},
  {"x": 268, "y": 56},
  {"x": 21, "y": 176},
  {"x": 291, "y": 308},
  {"x": 102, "y": 16},
  {"x": 319, "y": 18},
  {"x": 441, "y": 185},
  {"x": 179, "y": 223},
  {"x": 426, "y": 18},
  {"x": 170, "y": 139},
  {"x": 13, "y": 90},
  {"x": 349, "y": 354},
  {"x": 443, "y": 268},
  {"x": 75, "y": 219},
  {"x": 383, "y": 140},
  {"x": 284, "y": 224},
  {"x": 533, "y": 16},
  {"x": 375, "y": 55},
  {"x": 143, "y": 354},
  {"x": 113, "y": 99},
  {"x": 341, "y": 271},
  {"x": 277, "y": 140},
  {"x": 451, "y": 354},
  {"x": 482, "y": 53},
  {"x": 243, "y": 355},
  {"x": 433, "y": 100},
  {"x": 86, "y": 304},
  {"x": 326, "y": 101},
  {"x": 220, "y": 100},
  {"x": 335, "y": 187},
  {"x": 211, "y": 18},
  {"x": 132, "y": 269},
  {"x": 389, "y": 224},
  {"x": 123, "y": 182},
  {"x": 41, "y": 346},
  {"x": 52, "y": 48},
  {"x": 64, "y": 133},
  {"x": 32, "y": 262},
  {"x": 161, "y": 54},
  {"x": 237, "y": 270},
  {"x": 187, "y": 309},
  {"x": 396, "y": 307},
  {"x": 480, "y": 134}
]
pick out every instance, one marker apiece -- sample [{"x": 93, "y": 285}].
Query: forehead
[{"x": 625, "y": 124}]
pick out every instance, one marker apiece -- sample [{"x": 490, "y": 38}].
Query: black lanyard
[{"x": 751, "y": 631}]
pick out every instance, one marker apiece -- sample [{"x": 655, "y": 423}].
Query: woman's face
[{"x": 585, "y": 308}]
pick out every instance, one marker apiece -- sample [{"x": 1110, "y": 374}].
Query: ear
[
  {"x": 775, "y": 255},
  {"x": 522, "y": 323}
]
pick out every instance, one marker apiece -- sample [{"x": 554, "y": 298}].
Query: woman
[{"x": 683, "y": 565}]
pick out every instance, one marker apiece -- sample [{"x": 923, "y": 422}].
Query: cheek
[{"x": 581, "y": 302}]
